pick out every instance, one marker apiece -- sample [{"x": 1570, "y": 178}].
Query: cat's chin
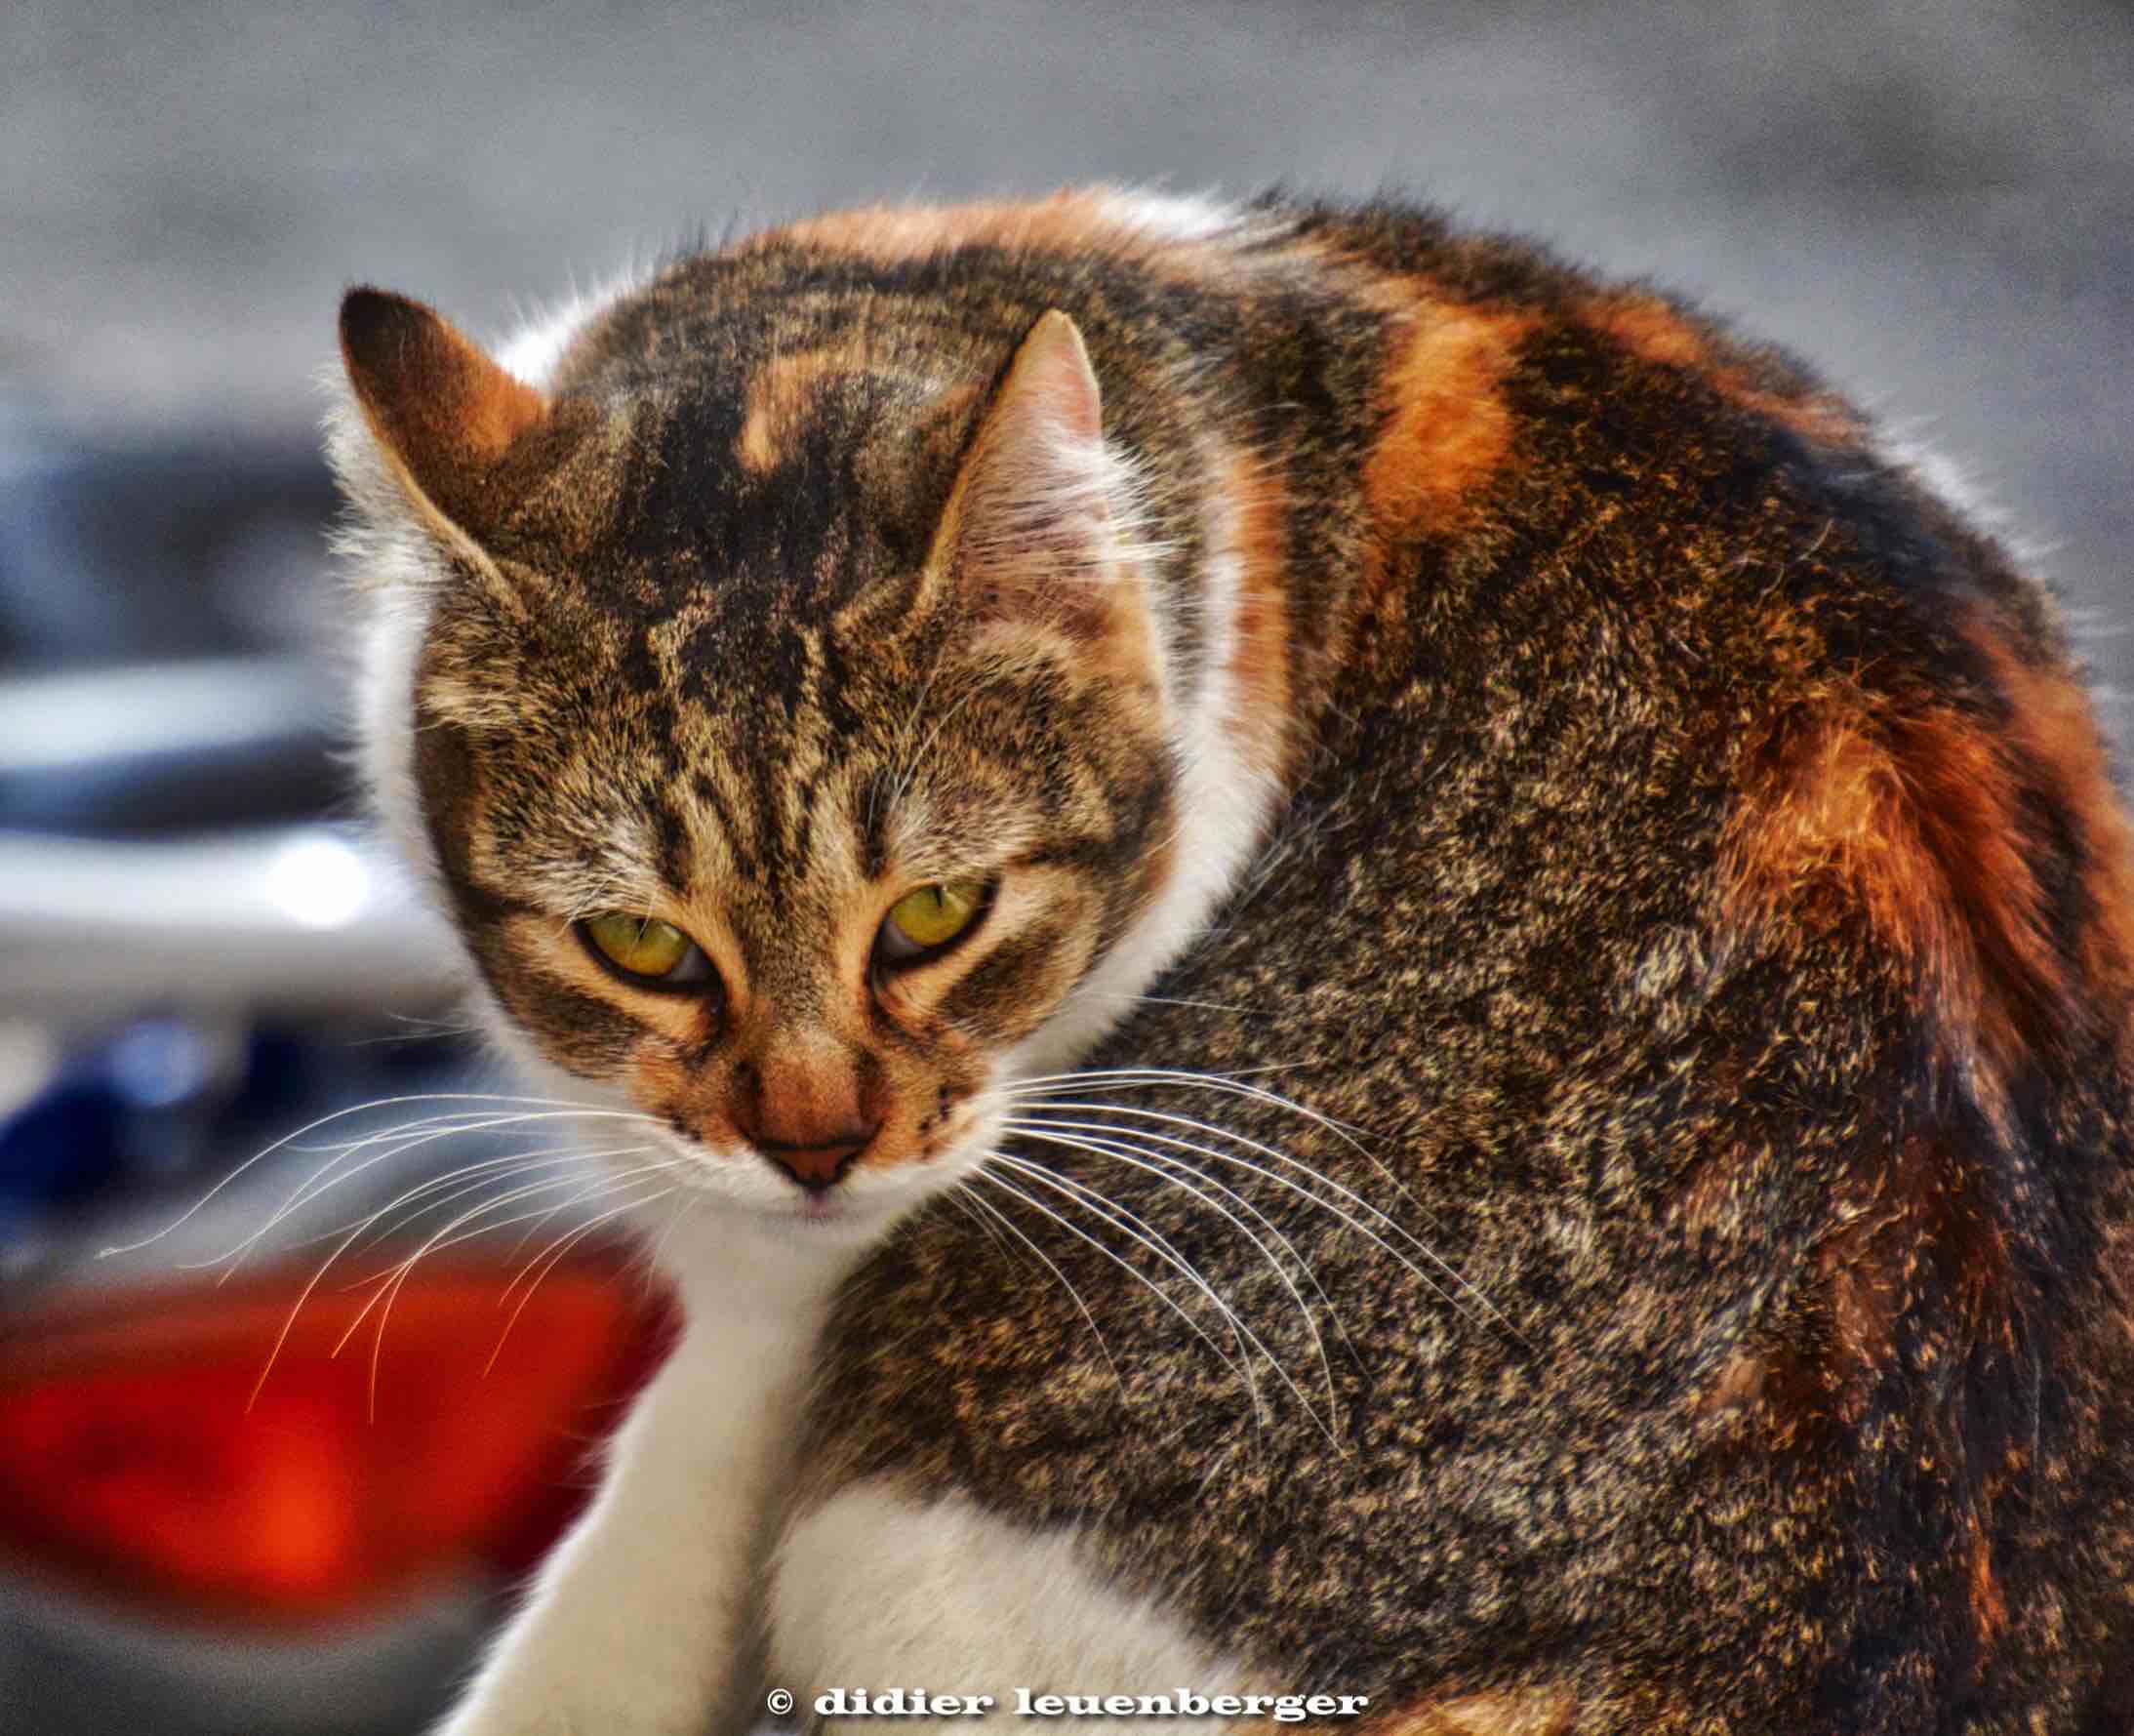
[
  {"x": 835, "y": 1220},
  {"x": 822, "y": 1217}
]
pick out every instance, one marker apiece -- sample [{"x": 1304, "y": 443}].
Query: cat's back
[{"x": 1698, "y": 938}]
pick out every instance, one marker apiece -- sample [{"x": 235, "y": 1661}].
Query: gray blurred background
[
  {"x": 1931, "y": 203},
  {"x": 1932, "y": 200}
]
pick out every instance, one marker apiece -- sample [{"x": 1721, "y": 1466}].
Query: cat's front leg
[
  {"x": 645, "y": 1619},
  {"x": 881, "y": 1586}
]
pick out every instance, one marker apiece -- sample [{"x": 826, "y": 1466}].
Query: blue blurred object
[
  {"x": 152, "y": 552},
  {"x": 166, "y": 1100},
  {"x": 134, "y": 1106},
  {"x": 65, "y": 1147}
]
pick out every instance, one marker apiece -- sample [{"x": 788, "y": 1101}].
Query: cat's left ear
[
  {"x": 1041, "y": 524},
  {"x": 444, "y": 416}
]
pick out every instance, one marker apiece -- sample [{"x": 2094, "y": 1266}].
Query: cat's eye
[
  {"x": 924, "y": 923},
  {"x": 645, "y": 952}
]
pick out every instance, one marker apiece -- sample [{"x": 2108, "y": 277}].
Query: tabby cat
[{"x": 1357, "y": 968}]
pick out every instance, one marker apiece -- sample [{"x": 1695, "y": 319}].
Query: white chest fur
[{"x": 646, "y": 1622}]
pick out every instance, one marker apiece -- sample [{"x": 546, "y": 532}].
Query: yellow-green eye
[
  {"x": 924, "y": 921},
  {"x": 643, "y": 947}
]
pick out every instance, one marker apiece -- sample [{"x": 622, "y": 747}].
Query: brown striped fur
[{"x": 1697, "y": 914}]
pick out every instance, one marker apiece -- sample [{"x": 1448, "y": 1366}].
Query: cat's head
[{"x": 790, "y": 737}]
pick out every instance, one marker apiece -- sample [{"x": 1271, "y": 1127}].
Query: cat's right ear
[
  {"x": 1042, "y": 523},
  {"x": 443, "y": 415}
]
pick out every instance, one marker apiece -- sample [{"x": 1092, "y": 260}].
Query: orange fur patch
[
  {"x": 1449, "y": 429},
  {"x": 1258, "y": 665},
  {"x": 779, "y": 397},
  {"x": 1920, "y": 1249},
  {"x": 1927, "y": 1214},
  {"x": 1902, "y": 810},
  {"x": 1084, "y": 221},
  {"x": 2054, "y": 730},
  {"x": 1917, "y": 814},
  {"x": 1543, "y": 1712},
  {"x": 1912, "y": 813},
  {"x": 1741, "y": 1384},
  {"x": 1073, "y": 221},
  {"x": 894, "y": 232},
  {"x": 1862, "y": 1271},
  {"x": 1654, "y": 332},
  {"x": 1988, "y": 1608}
]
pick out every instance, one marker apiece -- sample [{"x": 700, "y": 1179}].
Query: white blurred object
[
  {"x": 290, "y": 918},
  {"x": 320, "y": 882},
  {"x": 29, "y": 1055},
  {"x": 201, "y": 706}
]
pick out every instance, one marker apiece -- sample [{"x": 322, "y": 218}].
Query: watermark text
[{"x": 1178, "y": 1702}]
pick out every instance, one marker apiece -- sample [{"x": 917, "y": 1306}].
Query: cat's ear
[
  {"x": 443, "y": 415},
  {"x": 1042, "y": 524}
]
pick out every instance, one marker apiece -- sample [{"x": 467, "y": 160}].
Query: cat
[{"x": 1367, "y": 974}]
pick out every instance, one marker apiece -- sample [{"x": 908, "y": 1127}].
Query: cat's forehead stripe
[{"x": 780, "y": 394}]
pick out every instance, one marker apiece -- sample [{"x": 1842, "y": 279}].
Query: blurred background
[{"x": 1932, "y": 202}]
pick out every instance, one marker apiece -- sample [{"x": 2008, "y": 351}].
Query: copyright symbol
[{"x": 778, "y": 1700}]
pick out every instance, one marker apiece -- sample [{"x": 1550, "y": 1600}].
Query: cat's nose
[
  {"x": 819, "y": 1167},
  {"x": 801, "y": 1102}
]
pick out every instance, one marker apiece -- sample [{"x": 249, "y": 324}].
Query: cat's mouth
[
  {"x": 859, "y": 1202},
  {"x": 820, "y": 1211},
  {"x": 868, "y": 1202}
]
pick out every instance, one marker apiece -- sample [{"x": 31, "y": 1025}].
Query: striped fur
[{"x": 1634, "y": 870}]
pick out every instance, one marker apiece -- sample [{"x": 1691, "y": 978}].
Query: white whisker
[
  {"x": 1156, "y": 1075},
  {"x": 410, "y": 1136},
  {"x": 395, "y": 1278},
  {"x": 548, "y": 1264},
  {"x": 1165, "y": 1000},
  {"x": 296, "y": 1309},
  {"x": 1231, "y": 1084},
  {"x": 1158, "y": 1243},
  {"x": 910, "y": 771},
  {"x": 1445, "y": 1265},
  {"x": 455, "y": 1184},
  {"x": 975, "y": 1204},
  {"x": 967, "y": 1204},
  {"x": 466, "y": 1226},
  {"x": 683, "y": 1201},
  {"x": 1142, "y": 1278},
  {"x": 289, "y": 1139},
  {"x": 1172, "y": 1169},
  {"x": 1175, "y": 1175},
  {"x": 1348, "y": 1133}
]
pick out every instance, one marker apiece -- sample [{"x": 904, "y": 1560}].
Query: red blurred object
[{"x": 130, "y": 1459}]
